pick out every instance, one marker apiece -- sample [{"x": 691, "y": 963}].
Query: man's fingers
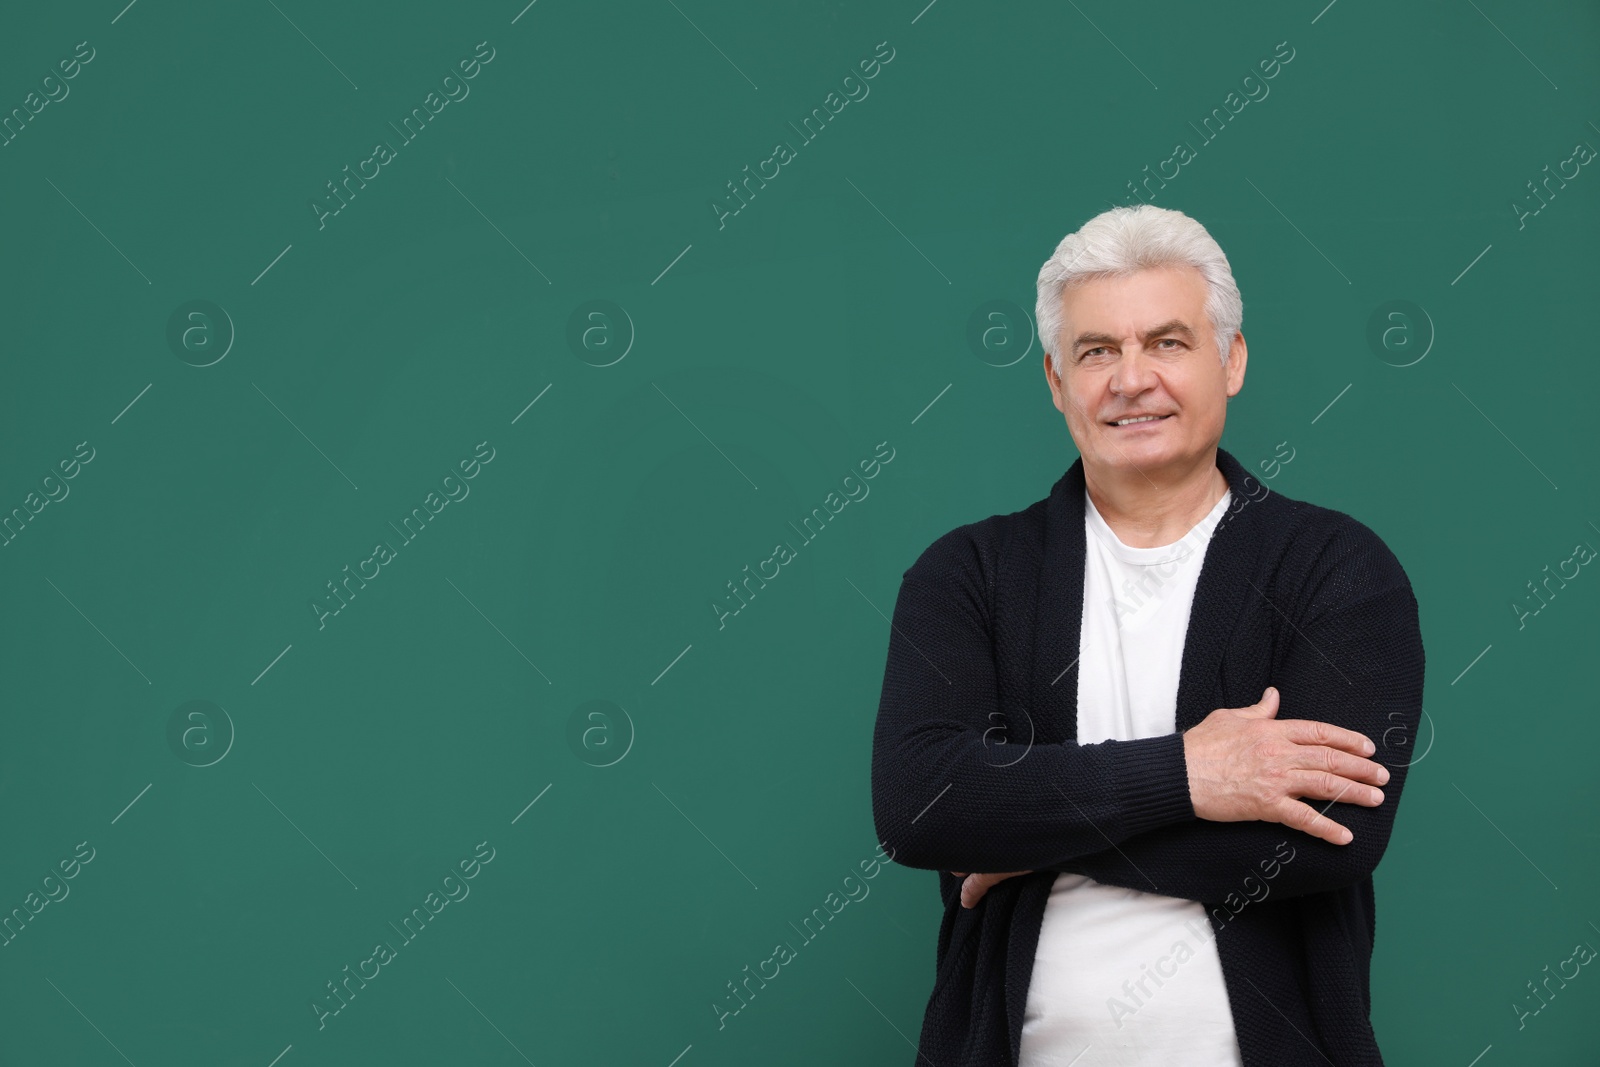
[
  {"x": 1265, "y": 708},
  {"x": 976, "y": 885},
  {"x": 1313, "y": 732},
  {"x": 1304, "y": 817},
  {"x": 1343, "y": 764},
  {"x": 1321, "y": 785}
]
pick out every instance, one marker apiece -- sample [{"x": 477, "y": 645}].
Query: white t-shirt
[{"x": 1124, "y": 978}]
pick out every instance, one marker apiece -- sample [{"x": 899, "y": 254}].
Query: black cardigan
[{"x": 975, "y": 766}]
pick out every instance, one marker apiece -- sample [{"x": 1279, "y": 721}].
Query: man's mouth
[{"x": 1139, "y": 420}]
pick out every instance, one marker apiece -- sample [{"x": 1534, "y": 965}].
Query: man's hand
[
  {"x": 1244, "y": 764},
  {"x": 976, "y": 885}
]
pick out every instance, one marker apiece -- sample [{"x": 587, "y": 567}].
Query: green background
[{"x": 765, "y": 357}]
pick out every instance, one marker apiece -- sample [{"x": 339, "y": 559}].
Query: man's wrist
[{"x": 1154, "y": 783}]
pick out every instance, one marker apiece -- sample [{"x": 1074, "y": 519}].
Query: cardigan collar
[{"x": 1220, "y": 593}]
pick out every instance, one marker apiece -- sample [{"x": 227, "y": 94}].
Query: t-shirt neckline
[{"x": 1156, "y": 554}]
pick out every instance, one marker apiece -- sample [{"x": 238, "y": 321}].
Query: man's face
[{"x": 1143, "y": 345}]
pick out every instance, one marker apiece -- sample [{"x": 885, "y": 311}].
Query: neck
[{"x": 1154, "y": 507}]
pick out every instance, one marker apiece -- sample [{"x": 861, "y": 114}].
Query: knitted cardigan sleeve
[
  {"x": 944, "y": 795},
  {"x": 1357, "y": 664}
]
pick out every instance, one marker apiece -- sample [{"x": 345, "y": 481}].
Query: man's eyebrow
[{"x": 1177, "y": 326}]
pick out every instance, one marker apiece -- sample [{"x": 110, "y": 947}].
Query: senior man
[{"x": 1151, "y": 730}]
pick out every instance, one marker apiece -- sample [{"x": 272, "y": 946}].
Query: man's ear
[
  {"x": 1058, "y": 388},
  {"x": 1238, "y": 358},
  {"x": 1052, "y": 378}
]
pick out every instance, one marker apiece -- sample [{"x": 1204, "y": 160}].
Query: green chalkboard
[{"x": 394, "y": 395}]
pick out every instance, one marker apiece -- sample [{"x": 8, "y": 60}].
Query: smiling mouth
[{"x": 1141, "y": 422}]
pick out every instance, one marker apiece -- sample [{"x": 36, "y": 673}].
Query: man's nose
[{"x": 1134, "y": 372}]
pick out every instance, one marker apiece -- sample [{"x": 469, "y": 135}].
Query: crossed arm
[{"x": 1121, "y": 811}]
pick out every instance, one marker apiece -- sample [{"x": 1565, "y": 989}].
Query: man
[{"x": 1162, "y": 712}]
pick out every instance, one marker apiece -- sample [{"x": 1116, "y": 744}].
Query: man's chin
[
  {"x": 1134, "y": 456},
  {"x": 1148, "y": 446}
]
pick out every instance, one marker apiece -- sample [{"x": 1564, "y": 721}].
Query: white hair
[{"x": 1119, "y": 242}]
